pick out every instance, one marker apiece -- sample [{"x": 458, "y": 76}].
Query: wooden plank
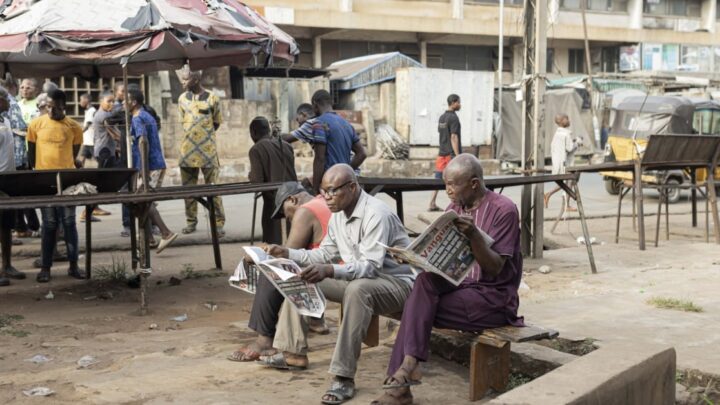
[
  {"x": 519, "y": 334},
  {"x": 372, "y": 336},
  {"x": 489, "y": 368}
]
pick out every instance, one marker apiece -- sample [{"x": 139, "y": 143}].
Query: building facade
[{"x": 625, "y": 36}]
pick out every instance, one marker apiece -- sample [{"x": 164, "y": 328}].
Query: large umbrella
[{"x": 91, "y": 38}]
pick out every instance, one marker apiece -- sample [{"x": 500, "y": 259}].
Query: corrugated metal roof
[{"x": 351, "y": 74}]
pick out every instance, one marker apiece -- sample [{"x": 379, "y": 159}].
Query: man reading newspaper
[
  {"x": 486, "y": 298},
  {"x": 368, "y": 281},
  {"x": 309, "y": 217}
]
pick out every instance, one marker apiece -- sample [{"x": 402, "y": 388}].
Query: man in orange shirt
[
  {"x": 309, "y": 217},
  {"x": 53, "y": 142}
]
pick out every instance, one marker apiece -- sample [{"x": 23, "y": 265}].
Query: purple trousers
[{"x": 434, "y": 302}]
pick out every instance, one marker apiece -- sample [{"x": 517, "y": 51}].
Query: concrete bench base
[{"x": 618, "y": 374}]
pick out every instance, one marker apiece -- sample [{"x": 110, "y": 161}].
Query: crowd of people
[{"x": 335, "y": 230}]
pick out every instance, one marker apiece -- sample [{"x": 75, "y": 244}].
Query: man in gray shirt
[
  {"x": 104, "y": 140},
  {"x": 367, "y": 282}
]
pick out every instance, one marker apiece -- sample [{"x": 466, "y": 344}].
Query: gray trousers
[{"x": 361, "y": 299}]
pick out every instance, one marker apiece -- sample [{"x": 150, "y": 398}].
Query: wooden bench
[{"x": 489, "y": 351}]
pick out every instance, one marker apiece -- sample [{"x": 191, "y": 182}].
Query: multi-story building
[{"x": 624, "y": 35}]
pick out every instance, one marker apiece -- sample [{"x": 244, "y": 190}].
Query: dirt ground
[{"x": 155, "y": 360}]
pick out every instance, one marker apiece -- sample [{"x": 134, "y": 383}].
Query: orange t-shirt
[
  {"x": 54, "y": 142},
  {"x": 319, "y": 208}
]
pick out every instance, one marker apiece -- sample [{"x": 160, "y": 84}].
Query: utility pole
[{"x": 533, "y": 145}]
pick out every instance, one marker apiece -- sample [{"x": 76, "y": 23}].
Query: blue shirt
[
  {"x": 338, "y": 136},
  {"x": 144, "y": 124}
]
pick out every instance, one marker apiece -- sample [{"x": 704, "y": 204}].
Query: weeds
[
  {"x": 117, "y": 271},
  {"x": 188, "y": 272},
  {"x": 676, "y": 304},
  {"x": 516, "y": 380},
  {"x": 6, "y": 325}
]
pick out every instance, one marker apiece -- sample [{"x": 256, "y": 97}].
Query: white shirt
[
  {"x": 354, "y": 240},
  {"x": 7, "y": 147},
  {"x": 562, "y": 150},
  {"x": 89, "y": 134}
]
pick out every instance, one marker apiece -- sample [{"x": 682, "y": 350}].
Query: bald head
[
  {"x": 340, "y": 188},
  {"x": 340, "y": 172},
  {"x": 463, "y": 179}
]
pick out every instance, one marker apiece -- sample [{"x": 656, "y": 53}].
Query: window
[
  {"x": 75, "y": 86},
  {"x": 550, "y": 61},
  {"x": 576, "y": 61},
  {"x": 610, "y": 59},
  {"x": 595, "y": 5},
  {"x": 680, "y": 8},
  {"x": 695, "y": 59},
  {"x": 663, "y": 57}
]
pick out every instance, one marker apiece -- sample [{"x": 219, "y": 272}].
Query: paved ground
[{"x": 183, "y": 362}]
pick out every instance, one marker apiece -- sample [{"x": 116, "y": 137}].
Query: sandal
[
  {"x": 434, "y": 209},
  {"x": 247, "y": 354},
  {"x": 401, "y": 381},
  {"x": 277, "y": 361},
  {"x": 189, "y": 229},
  {"x": 342, "y": 390},
  {"x": 404, "y": 398}
]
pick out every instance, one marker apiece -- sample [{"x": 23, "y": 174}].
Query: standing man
[
  {"x": 450, "y": 141},
  {"x": 562, "y": 151},
  {"x": 271, "y": 160},
  {"x": 332, "y": 137},
  {"x": 53, "y": 142},
  {"x": 105, "y": 140},
  {"x": 487, "y": 298},
  {"x": 201, "y": 117},
  {"x": 7, "y": 217},
  {"x": 28, "y": 99},
  {"x": 86, "y": 152}
]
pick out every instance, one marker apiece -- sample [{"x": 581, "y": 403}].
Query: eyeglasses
[{"x": 332, "y": 192}]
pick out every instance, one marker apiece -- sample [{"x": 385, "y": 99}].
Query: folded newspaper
[
  {"x": 306, "y": 297},
  {"x": 441, "y": 249}
]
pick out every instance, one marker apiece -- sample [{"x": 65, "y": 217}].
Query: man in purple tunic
[{"x": 487, "y": 298}]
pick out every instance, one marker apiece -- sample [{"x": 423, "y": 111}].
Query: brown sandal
[
  {"x": 247, "y": 354},
  {"x": 401, "y": 381}
]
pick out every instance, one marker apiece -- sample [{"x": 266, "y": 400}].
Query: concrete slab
[{"x": 625, "y": 374}]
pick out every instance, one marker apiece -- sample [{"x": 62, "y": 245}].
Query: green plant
[
  {"x": 189, "y": 272},
  {"x": 673, "y": 303},
  {"x": 6, "y": 325},
  {"x": 116, "y": 271}
]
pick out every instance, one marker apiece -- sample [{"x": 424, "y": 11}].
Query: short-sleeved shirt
[
  {"x": 338, "y": 136},
  {"x": 562, "y": 150},
  {"x": 7, "y": 146},
  {"x": 54, "y": 142},
  {"x": 304, "y": 133},
  {"x": 101, "y": 136},
  {"x": 448, "y": 124},
  {"x": 497, "y": 216},
  {"x": 271, "y": 160},
  {"x": 89, "y": 134},
  {"x": 29, "y": 109},
  {"x": 199, "y": 115},
  {"x": 144, "y": 124}
]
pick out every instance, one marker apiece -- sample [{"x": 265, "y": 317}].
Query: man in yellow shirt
[
  {"x": 53, "y": 142},
  {"x": 201, "y": 117}
]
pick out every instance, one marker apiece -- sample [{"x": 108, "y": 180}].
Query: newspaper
[
  {"x": 441, "y": 249},
  {"x": 306, "y": 297}
]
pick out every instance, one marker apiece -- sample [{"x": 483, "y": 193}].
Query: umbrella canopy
[{"x": 90, "y": 38}]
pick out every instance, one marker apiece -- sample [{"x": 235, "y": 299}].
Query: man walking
[
  {"x": 450, "y": 141},
  {"x": 200, "y": 117},
  {"x": 53, "y": 142},
  {"x": 271, "y": 160},
  {"x": 562, "y": 151}
]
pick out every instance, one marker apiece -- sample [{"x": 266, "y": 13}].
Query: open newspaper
[
  {"x": 441, "y": 249},
  {"x": 306, "y": 297}
]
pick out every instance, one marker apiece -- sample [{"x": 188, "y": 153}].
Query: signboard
[{"x": 629, "y": 58}]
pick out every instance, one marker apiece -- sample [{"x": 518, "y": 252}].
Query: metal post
[
  {"x": 693, "y": 194},
  {"x": 214, "y": 234},
  {"x": 254, "y": 216},
  {"x": 639, "y": 203},
  {"x": 712, "y": 201},
  {"x": 399, "y": 205},
  {"x": 88, "y": 241},
  {"x": 501, "y": 49},
  {"x": 583, "y": 222}
]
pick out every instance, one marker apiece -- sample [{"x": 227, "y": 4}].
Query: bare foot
[
  {"x": 546, "y": 198},
  {"x": 570, "y": 209}
]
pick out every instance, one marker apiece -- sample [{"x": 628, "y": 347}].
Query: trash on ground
[
  {"x": 38, "y": 392},
  {"x": 38, "y": 359},
  {"x": 523, "y": 286},
  {"x": 87, "y": 361},
  {"x": 153, "y": 326},
  {"x": 175, "y": 281},
  {"x": 544, "y": 269},
  {"x": 181, "y": 318},
  {"x": 49, "y": 295},
  {"x": 593, "y": 240},
  {"x": 211, "y": 306}
]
